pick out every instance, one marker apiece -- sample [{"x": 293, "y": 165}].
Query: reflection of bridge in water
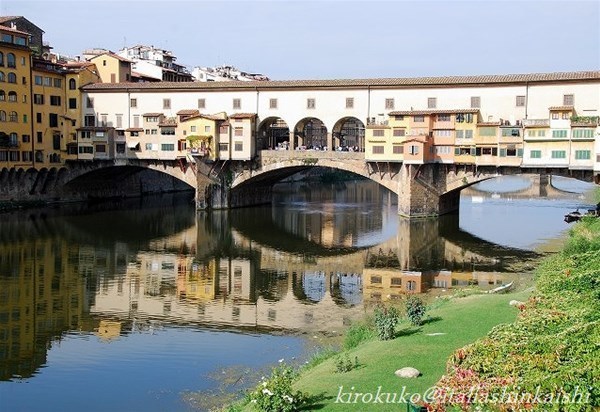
[
  {"x": 120, "y": 272},
  {"x": 536, "y": 186}
]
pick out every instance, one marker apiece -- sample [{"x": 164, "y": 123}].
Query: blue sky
[{"x": 334, "y": 39}]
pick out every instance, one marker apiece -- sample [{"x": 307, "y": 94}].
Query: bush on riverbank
[{"x": 548, "y": 359}]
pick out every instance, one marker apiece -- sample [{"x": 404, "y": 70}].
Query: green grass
[{"x": 462, "y": 321}]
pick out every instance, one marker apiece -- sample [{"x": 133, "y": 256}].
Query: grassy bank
[
  {"x": 453, "y": 324},
  {"x": 550, "y": 357}
]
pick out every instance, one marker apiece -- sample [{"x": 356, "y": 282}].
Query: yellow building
[
  {"x": 112, "y": 68},
  {"x": 378, "y": 143},
  {"x": 49, "y": 124},
  {"x": 16, "y": 145},
  {"x": 465, "y": 130},
  {"x": 486, "y": 143},
  {"x": 202, "y": 135}
]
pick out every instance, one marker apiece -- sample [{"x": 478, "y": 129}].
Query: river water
[{"x": 146, "y": 305}]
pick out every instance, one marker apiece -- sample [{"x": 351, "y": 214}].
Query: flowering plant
[{"x": 275, "y": 393}]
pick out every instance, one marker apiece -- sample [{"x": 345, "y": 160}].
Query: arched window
[
  {"x": 72, "y": 84},
  {"x": 12, "y": 78},
  {"x": 13, "y": 117},
  {"x": 1, "y": 59},
  {"x": 2, "y": 116},
  {"x": 2, "y": 96},
  {"x": 11, "y": 61},
  {"x": 13, "y": 139},
  {"x": 2, "y": 79},
  {"x": 12, "y": 96}
]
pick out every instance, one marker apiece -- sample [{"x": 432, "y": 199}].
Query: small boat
[{"x": 573, "y": 216}]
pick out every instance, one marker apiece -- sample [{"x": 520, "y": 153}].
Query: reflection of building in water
[
  {"x": 41, "y": 297},
  {"x": 385, "y": 284}
]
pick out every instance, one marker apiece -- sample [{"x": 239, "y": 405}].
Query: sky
[{"x": 334, "y": 39}]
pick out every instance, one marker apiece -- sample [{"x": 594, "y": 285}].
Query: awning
[{"x": 133, "y": 145}]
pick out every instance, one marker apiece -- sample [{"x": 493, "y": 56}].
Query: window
[
  {"x": 535, "y": 154},
  {"x": 431, "y": 102},
  {"x": 57, "y": 82},
  {"x": 11, "y": 78},
  {"x": 561, "y": 134},
  {"x": 487, "y": 131},
  {"x": 103, "y": 119},
  {"x": 24, "y": 118},
  {"x": 378, "y": 133},
  {"x": 56, "y": 141},
  {"x": 349, "y": 102},
  {"x": 475, "y": 102},
  {"x": 399, "y": 118},
  {"x": 239, "y": 131},
  {"x": 38, "y": 118},
  {"x": 413, "y": 149},
  {"x": 148, "y": 146},
  {"x": 468, "y": 134},
  {"x": 119, "y": 120},
  {"x": 583, "y": 154},
  {"x": 100, "y": 148},
  {"x": 26, "y": 156},
  {"x": 568, "y": 99},
  {"x": 39, "y": 137},
  {"x": 72, "y": 84},
  {"x": 54, "y": 100},
  {"x": 442, "y": 133},
  {"x": 397, "y": 149},
  {"x": 201, "y": 103},
  {"x": 389, "y": 104},
  {"x": 223, "y": 147},
  {"x": 136, "y": 120},
  {"x": 237, "y": 104},
  {"x": 89, "y": 120},
  {"x": 103, "y": 62},
  {"x": 206, "y": 129},
  {"x": 272, "y": 103},
  {"x": 310, "y": 103},
  {"x": 133, "y": 103},
  {"x": 376, "y": 279},
  {"x": 583, "y": 133},
  {"x": 192, "y": 129},
  {"x": 399, "y": 132},
  {"x": 1, "y": 59},
  {"x": 13, "y": 117},
  {"x": 12, "y": 96},
  {"x": 166, "y": 103},
  {"x": 53, "y": 119},
  {"x": 26, "y": 138},
  {"x": 48, "y": 81},
  {"x": 89, "y": 102},
  {"x": 11, "y": 61},
  {"x": 23, "y": 80},
  {"x": 439, "y": 150},
  {"x": 86, "y": 150},
  {"x": 443, "y": 117},
  {"x": 377, "y": 149},
  {"x": 419, "y": 119},
  {"x": 555, "y": 116},
  {"x": 38, "y": 98},
  {"x": 38, "y": 80},
  {"x": 222, "y": 130},
  {"x": 541, "y": 133},
  {"x": 520, "y": 101},
  {"x": 167, "y": 147},
  {"x": 460, "y": 134},
  {"x": 238, "y": 147},
  {"x": 559, "y": 154}
]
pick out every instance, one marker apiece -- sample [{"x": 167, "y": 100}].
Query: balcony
[{"x": 536, "y": 123}]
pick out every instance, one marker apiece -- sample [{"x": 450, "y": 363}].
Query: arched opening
[
  {"x": 311, "y": 133},
  {"x": 72, "y": 84},
  {"x": 273, "y": 133},
  {"x": 349, "y": 135}
]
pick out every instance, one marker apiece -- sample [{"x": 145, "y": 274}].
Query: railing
[{"x": 536, "y": 122}]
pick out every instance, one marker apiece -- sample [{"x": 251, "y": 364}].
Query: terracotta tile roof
[
  {"x": 488, "y": 124},
  {"x": 168, "y": 123},
  {"x": 157, "y": 114},
  {"x": 400, "y": 82},
  {"x": 134, "y": 129},
  {"x": 560, "y": 108},
  {"x": 10, "y": 29},
  {"x": 243, "y": 116},
  {"x": 583, "y": 124},
  {"x": 114, "y": 55},
  {"x": 431, "y": 111},
  {"x": 188, "y": 112}
]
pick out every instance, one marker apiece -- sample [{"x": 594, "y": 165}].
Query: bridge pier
[{"x": 421, "y": 192}]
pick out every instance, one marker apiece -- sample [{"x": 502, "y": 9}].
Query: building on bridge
[{"x": 539, "y": 120}]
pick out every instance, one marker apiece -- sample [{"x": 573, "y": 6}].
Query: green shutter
[
  {"x": 502, "y": 152},
  {"x": 520, "y": 152},
  {"x": 457, "y": 151}
]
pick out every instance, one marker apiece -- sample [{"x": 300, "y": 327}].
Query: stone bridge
[{"x": 423, "y": 189}]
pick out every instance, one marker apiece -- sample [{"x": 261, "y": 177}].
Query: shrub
[
  {"x": 344, "y": 364},
  {"x": 275, "y": 394},
  {"x": 357, "y": 333},
  {"x": 386, "y": 319},
  {"x": 415, "y": 310}
]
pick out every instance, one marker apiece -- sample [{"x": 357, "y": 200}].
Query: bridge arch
[
  {"x": 273, "y": 132},
  {"x": 349, "y": 132}
]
